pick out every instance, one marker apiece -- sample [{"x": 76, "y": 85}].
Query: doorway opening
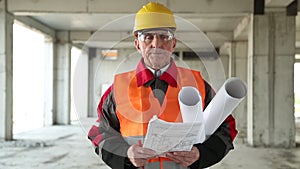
[{"x": 28, "y": 79}]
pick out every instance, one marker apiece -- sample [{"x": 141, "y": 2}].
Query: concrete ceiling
[{"x": 217, "y": 19}]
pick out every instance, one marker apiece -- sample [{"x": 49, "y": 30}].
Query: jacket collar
[{"x": 144, "y": 75}]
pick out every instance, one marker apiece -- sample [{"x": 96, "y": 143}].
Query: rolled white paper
[
  {"x": 190, "y": 103},
  {"x": 221, "y": 106}
]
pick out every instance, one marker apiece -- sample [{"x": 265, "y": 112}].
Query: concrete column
[
  {"x": 225, "y": 62},
  {"x": 49, "y": 116},
  {"x": 238, "y": 68},
  {"x": 180, "y": 54},
  {"x": 270, "y": 80},
  {"x": 92, "y": 67},
  {"x": 80, "y": 83},
  {"x": 91, "y": 102},
  {"x": 62, "y": 75},
  {"x": 225, "y": 51},
  {"x": 234, "y": 59},
  {"x": 6, "y": 73}
]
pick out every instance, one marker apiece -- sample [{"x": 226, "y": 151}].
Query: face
[{"x": 156, "y": 47}]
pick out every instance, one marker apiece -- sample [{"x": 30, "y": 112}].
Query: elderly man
[{"x": 152, "y": 89}]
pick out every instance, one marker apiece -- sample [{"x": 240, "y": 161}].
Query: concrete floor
[{"x": 66, "y": 147}]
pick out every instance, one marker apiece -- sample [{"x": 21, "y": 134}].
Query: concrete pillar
[
  {"x": 49, "y": 116},
  {"x": 62, "y": 75},
  {"x": 238, "y": 68},
  {"x": 180, "y": 55},
  {"x": 6, "y": 73},
  {"x": 225, "y": 62},
  {"x": 270, "y": 80},
  {"x": 224, "y": 52},
  {"x": 234, "y": 59},
  {"x": 92, "y": 67},
  {"x": 80, "y": 83}
]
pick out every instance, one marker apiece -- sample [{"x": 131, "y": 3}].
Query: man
[{"x": 152, "y": 89}]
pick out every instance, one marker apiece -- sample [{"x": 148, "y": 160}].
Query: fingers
[
  {"x": 136, "y": 151},
  {"x": 139, "y": 156},
  {"x": 185, "y": 161},
  {"x": 185, "y": 158},
  {"x": 181, "y": 160},
  {"x": 147, "y": 153}
]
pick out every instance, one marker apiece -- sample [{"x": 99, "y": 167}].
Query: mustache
[{"x": 158, "y": 51}]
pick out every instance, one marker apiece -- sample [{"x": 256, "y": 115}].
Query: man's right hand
[{"x": 139, "y": 156}]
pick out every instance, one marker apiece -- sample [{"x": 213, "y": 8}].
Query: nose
[{"x": 156, "y": 42}]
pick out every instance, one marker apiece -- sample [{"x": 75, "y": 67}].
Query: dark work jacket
[{"x": 111, "y": 146}]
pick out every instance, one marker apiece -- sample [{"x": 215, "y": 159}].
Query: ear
[
  {"x": 174, "y": 43},
  {"x": 137, "y": 45}
]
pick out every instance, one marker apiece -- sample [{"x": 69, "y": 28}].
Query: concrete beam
[
  {"x": 36, "y": 25},
  {"x": 99, "y": 35},
  {"x": 277, "y": 3},
  {"x": 52, "y": 6},
  {"x": 116, "y": 6},
  {"x": 242, "y": 29},
  {"x": 111, "y": 38},
  {"x": 218, "y": 38},
  {"x": 225, "y": 49},
  {"x": 208, "y": 7}
]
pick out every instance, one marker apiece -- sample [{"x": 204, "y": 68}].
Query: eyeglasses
[{"x": 148, "y": 36}]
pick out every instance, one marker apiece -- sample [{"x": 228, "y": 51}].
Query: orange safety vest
[{"x": 136, "y": 105}]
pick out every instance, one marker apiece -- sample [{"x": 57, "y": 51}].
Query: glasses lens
[{"x": 147, "y": 37}]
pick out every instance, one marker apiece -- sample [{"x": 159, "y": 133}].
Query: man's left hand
[{"x": 185, "y": 158}]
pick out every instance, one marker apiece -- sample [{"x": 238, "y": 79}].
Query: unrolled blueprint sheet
[{"x": 165, "y": 136}]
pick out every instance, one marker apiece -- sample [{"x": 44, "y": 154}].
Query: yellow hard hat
[{"x": 154, "y": 15}]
